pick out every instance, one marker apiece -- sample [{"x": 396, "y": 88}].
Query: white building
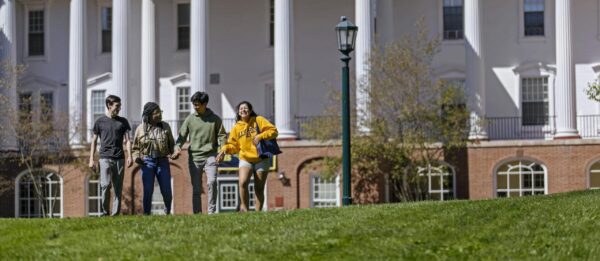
[{"x": 525, "y": 59}]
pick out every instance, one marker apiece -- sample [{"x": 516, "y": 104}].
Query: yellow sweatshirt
[{"x": 242, "y": 134}]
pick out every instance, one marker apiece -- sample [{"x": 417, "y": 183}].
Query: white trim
[
  {"x": 175, "y": 19},
  {"x": 439, "y": 172},
  {"x": 588, "y": 173},
  {"x": 533, "y": 70},
  {"x": 520, "y": 160},
  {"x": 521, "y": 25},
  {"x": 87, "y": 197},
  {"x": 336, "y": 183},
  {"x": 103, "y": 4},
  {"x": 440, "y": 23},
  {"x": 35, "y": 6},
  {"x": 234, "y": 177},
  {"x": 18, "y": 190}
]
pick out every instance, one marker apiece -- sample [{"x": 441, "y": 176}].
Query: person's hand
[
  {"x": 220, "y": 156},
  {"x": 129, "y": 162},
  {"x": 256, "y": 139},
  {"x": 92, "y": 165},
  {"x": 139, "y": 161},
  {"x": 175, "y": 155}
]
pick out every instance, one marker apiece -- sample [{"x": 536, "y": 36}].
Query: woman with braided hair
[{"x": 153, "y": 144}]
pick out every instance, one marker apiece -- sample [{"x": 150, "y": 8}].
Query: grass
[{"x": 562, "y": 226}]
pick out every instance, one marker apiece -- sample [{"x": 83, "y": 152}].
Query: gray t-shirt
[{"x": 111, "y": 132}]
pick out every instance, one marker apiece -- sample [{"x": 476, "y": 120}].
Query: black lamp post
[{"x": 346, "y": 34}]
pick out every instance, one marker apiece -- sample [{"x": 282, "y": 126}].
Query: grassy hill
[{"x": 562, "y": 226}]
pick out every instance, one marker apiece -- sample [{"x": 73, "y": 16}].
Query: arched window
[
  {"x": 595, "y": 176},
  {"x": 94, "y": 194},
  {"x": 440, "y": 181},
  {"x": 38, "y": 194},
  {"x": 520, "y": 178},
  {"x": 325, "y": 192}
]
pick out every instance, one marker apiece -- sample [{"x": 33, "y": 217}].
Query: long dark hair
[{"x": 237, "y": 109}]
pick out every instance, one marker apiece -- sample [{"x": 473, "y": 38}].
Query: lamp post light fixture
[{"x": 346, "y": 35}]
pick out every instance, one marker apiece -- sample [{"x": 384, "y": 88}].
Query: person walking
[
  {"x": 207, "y": 134},
  {"x": 247, "y": 132},
  {"x": 113, "y": 132},
  {"x": 153, "y": 143}
]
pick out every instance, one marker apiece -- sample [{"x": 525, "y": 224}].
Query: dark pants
[{"x": 159, "y": 168}]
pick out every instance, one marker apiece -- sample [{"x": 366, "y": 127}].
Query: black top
[{"x": 111, "y": 132}]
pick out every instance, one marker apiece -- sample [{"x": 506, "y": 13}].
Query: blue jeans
[{"x": 159, "y": 168}]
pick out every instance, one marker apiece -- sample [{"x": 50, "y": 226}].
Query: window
[
  {"x": 440, "y": 181},
  {"x": 25, "y": 107},
  {"x": 183, "y": 103},
  {"x": 158, "y": 203},
  {"x": 534, "y": 101},
  {"x": 229, "y": 195},
  {"x": 36, "y": 33},
  {"x": 47, "y": 107},
  {"x": 520, "y": 178},
  {"x": 49, "y": 202},
  {"x": 271, "y": 22},
  {"x": 453, "y": 19},
  {"x": 106, "y": 29},
  {"x": 595, "y": 176},
  {"x": 325, "y": 192},
  {"x": 98, "y": 104},
  {"x": 533, "y": 17},
  {"x": 94, "y": 196},
  {"x": 183, "y": 26}
]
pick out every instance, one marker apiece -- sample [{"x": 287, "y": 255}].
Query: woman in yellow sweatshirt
[{"x": 243, "y": 138}]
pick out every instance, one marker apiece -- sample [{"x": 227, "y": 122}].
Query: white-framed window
[
  {"x": 94, "y": 195},
  {"x": 452, "y": 19},
  {"x": 158, "y": 203},
  {"x": 36, "y": 32},
  {"x": 440, "y": 181},
  {"x": 229, "y": 195},
  {"x": 520, "y": 178},
  {"x": 533, "y": 18},
  {"x": 534, "y": 101},
  {"x": 106, "y": 29},
  {"x": 183, "y": 26},
  {"x": 98, "y": 103},
  {"x": 184, "y": 107},
  {"x": 324, "y": 192},
  {"x": 28, "y": 204},
  {"x": 594, "y": 176}
]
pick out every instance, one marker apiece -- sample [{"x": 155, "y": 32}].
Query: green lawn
[{"x": 563, "y": 226}]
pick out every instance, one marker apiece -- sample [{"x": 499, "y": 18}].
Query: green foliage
[
  {"x": 412, "y": 117},
  {"x": 593, "y": 91},
  {"x": 557, "y": 227}
]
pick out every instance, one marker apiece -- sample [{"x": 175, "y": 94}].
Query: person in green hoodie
[{"x": 207, "y": 134}]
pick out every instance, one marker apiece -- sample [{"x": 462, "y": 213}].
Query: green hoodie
[{"x": 206, "y": 133}]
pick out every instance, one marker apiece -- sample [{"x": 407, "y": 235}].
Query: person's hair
[
  {"x": 200, "y": 97},
  {"x": 237, "y": 110},
  {"x": 110, "y": 99}
]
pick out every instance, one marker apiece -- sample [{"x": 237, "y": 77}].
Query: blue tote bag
[{"x": 266, "y": 148}]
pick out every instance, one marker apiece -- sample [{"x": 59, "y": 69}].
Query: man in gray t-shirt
[{"x": 113, "y": 131}]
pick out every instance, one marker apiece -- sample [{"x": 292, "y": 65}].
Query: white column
[
  {"x": 8, "y": 58},
  {"x": 148, "y": 80},
  {"x": 120, "y": 70},
  {"x": 77, "y": 72},
  {"x": 566, "y": 126},
  {"x": 475, "y": 68},
  {"x": 198, "y": 36},
  {"x": 364, "y": 39},
  {"x": 284, "y": 68}
]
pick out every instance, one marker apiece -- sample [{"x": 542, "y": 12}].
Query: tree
[
  {"x": 413, "y": 118},
  {"x": 39, "y": 137}
]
